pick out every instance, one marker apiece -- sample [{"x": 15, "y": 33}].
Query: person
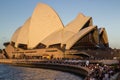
[
  {"x": 106, "y": 76},
  {"x": 87, "y": 63},
  {"x": 87, "y": 78}
]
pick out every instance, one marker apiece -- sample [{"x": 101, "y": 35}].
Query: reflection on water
[{"x": 24, "y": 73}]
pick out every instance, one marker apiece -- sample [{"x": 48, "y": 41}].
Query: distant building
[{"x": 44, "y": 35}]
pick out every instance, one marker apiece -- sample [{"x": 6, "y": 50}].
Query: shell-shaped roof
[
  {"x": 15, "y": 35},
  {"x": 23, "y": 34},
  {"x": 78, "y": 23},
  {"x": 45, "y": 26},
  {"x": 58, "y": 37},
  {"x": 44, "y": 21},
  {"x": 67, "y": 37},
  {"x": 71, "y": 29},
  {"x": 103, "y": 34},
  {"x": 78, "y": 36}
]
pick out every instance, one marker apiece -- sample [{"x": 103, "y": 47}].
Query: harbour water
[{"x": 8, "y": 72}]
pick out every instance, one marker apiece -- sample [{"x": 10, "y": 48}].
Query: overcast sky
[{"x": 105, "y": 13}]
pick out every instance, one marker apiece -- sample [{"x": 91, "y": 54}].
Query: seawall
[{"x": 74, "y": 69}]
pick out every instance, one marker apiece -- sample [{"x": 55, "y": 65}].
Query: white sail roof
[
  {"x": 78, "y": 36},
  {"x": 45, "y": 26},
  {"x": 71, "y": 29},
  {"x": 78, "y": 23},
  {"x": 22, "y": 38},
  {"x": 104, "y": 35},
  {"x": 43, "y": 22},
  {"x": 15, "y": 35},
  {"x": 58, "y": 37}
]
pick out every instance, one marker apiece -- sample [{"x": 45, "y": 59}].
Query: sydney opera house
[{"x": 43, "y": 35}]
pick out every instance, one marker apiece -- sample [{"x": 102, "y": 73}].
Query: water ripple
[{"x": 24, "y": 73}]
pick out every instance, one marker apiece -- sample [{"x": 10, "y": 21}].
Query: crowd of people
[
  {"x": 102, "y": 72},
  {"x": 98, "y": 71}
]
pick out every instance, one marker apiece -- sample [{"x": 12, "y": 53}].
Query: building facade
[{"x": 44, "y": 35}]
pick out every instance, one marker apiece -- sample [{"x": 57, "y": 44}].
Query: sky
[{"x": 105, "y": 13}]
